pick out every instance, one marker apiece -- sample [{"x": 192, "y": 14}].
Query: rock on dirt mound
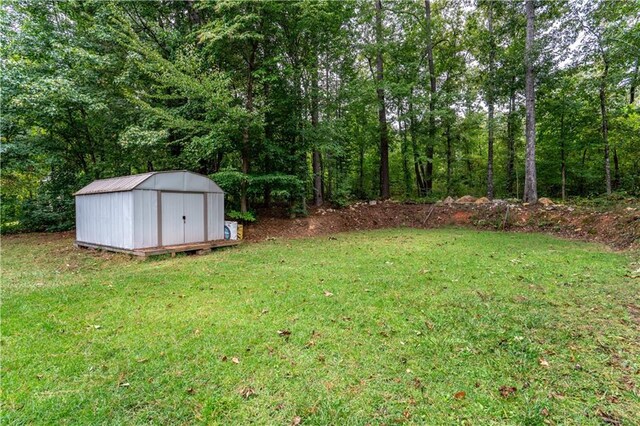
[
  {"x": 448, "y": 200},
  {"x": 545, "y": 201},
  {"x": 483, "y": 200},
  {"x": 466, "y": 199}
]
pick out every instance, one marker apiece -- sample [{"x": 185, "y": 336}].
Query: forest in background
[{"x": 310, "y": 102}]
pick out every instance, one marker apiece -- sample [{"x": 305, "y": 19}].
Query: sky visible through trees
[{"x": 299, "y": 102}]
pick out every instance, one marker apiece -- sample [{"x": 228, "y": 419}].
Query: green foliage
[
  {"x": 278, "y": 186},
  {"x": 246, "y": 217},
  {"x": 52, "y": 208},
  {"x": 230, "y": 181},
  {"x": 108, "y": 88}
]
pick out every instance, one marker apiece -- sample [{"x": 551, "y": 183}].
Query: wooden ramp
[{"x": 199, "y": 248}]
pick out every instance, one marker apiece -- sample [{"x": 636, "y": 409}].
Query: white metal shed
[{"x": 149, "y": 211}]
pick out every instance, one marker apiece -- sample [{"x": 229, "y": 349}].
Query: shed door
[
  {"x": 182, "y": 218},
  {"x": 172, "y": 222},
  {"x": 194, "y": 214}
]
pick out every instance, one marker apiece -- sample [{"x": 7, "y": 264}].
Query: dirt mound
[
  {"x": 466, "y": 199},
  {"x": 619, "y": 228}
]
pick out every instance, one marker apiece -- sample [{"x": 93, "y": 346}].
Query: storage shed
[{"x": 150, "y": 213}]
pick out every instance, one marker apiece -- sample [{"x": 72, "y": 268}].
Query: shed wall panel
[
  {"x": 215, "y": 209},
  {"x": 105, "y": 219},
  {"x": 145, "y": 219}
]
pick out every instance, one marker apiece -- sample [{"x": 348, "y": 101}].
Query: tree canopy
[{"x": 289, "y": 102}]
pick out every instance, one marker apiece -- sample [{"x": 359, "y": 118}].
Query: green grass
[{"x": 415, "y": 318}]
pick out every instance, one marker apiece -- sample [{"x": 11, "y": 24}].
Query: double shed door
[{"x": 183, "y": 218}]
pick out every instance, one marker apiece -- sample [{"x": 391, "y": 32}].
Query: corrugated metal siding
[
  {"x": 145, "y": 219},
  {"x": 105, "y": 219},
  {"x": 215, "y": 210}
]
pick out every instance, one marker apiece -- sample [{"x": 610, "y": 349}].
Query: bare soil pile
[{"x": 618, "y": 228}]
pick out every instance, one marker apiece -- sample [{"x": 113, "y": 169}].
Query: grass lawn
[{"x": 423, "y": 327}]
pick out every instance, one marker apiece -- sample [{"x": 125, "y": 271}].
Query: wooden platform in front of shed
[{"x": 199, "y": 248}]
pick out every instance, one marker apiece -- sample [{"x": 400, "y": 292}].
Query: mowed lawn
[{"x": 395, "y": 326}]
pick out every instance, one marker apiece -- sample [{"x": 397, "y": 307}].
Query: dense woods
[{"x": 299, "y": 102}]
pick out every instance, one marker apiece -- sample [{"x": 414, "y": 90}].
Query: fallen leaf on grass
[
  {"x": 507, "y": 391},
  {"x": 284, "y": 333},
  {"x": 608, "y": 418},
  {"x": 122, "y": 381},
  {"x": 191, "y": 391},
  {"x": 235, "y": 360},
  {"x": 296, "y": 421},
  {"x": 328, "y": 293},
  {"x": 460, "y": 395},
  {"x": 544, "y": 412},
  {"x": 141, "y": 360},
  {"x": 543, "y": 362},
  {"x": 247, "y": 392}
]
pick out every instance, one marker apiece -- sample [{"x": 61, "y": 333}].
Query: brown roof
[{"x": 117, "y": 184}]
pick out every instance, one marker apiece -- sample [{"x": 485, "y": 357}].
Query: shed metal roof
[
  {"x": 128, "y": 183},
  {"x": 117, "y": 184}
]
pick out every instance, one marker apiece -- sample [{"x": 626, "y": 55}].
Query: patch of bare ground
[{"x": 618, "y": 228}]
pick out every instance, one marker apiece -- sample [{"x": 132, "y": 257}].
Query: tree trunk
[
  {"x": 192, "y": 12},
  {"x": 432, "y": 100},
  {"x": 361, "y": 172},
  {"x": 511, "y": 142},
  {"x": 316, "y": 160},
  {"x": 530, "y": 180},
  {"x": 563, "y": 167},
  {"x": 605, "y": 125},
  {"x": 245, "y": 132},
  {"x": 490, "y": 105},
  {"x": 268, "y": 136},
  {"x": 404, "y": 150},
  {"x": 417, "y": 164},
  {"x": 382, "y": 113},
  {"x": 449, "y": 158},
  {"x": 634, "y": 83},
  {"x": 329, "y": 186}
]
